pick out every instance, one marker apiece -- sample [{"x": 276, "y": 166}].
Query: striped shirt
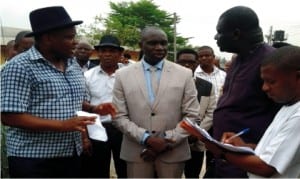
[{"x": 32, "y": 85}]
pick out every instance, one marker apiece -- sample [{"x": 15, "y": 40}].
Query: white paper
[
  {"x": 229, "y": 147},
  {"x": 96, "y": 131}
]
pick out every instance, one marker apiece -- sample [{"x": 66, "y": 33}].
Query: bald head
[
  {"x": 154, "y": 44},
  {"x": 238, "y": 30},
  {"x": 151, "y": 30},
  {"x": 85, "y": 43},
  {"x": 82, "y": 52},
  {"x": 240, "y": 17}
]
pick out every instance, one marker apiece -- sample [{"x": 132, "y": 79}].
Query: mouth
[{"x": 159, "y": 54}]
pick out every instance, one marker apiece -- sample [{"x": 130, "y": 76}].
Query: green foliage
[
  {"x": 92, "y": 32},
  {"x": 127, "y": 19}
]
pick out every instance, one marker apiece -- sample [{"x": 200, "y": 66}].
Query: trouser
[
  {"x": 194, "y": 164},
  {"x": 98, "y": 164},
  {"x": 63, "y": 167},
  {"x": 155, "y": 169},
  {"x": 210, "y": 165}
]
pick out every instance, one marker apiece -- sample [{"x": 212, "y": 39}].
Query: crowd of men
[{"x": 49, "y": 77}]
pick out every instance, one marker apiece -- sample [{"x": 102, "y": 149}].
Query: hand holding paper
[
  {"x": 203, "y": 135},
  {"x": 96, "y": 131}
]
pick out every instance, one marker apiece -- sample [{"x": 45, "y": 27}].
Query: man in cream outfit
[
  {"x": 153, "y": 142},
  {"x": 188, "y": 58}
]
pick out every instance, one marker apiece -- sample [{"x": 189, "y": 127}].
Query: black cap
[
  {"x": 109, "y": 41},
  {"x": 50, "y": 18}
]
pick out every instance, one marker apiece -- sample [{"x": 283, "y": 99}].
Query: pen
[{"x": 244, "y": 131}]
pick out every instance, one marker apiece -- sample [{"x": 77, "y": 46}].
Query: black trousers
[
  {"x": 98, "y": 165},
  {"x": 66, "y": 167},
  {"x": 193, "y": 166}
]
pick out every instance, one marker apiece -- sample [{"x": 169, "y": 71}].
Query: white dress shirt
[
  {"x": 280, "y": 144},
  {"x": 217, "y": 78},
  {"x": 99, "y": 86}
]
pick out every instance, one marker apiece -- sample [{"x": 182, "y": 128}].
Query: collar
[
  {"x": 34, "y": 54},
  {"x": 147, "y": 66},
  {"x": 199, "y": 70}
]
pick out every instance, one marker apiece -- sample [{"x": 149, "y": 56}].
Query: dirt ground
[{"x": 113, "y": 172}]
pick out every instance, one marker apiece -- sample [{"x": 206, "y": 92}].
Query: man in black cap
[
  {"x": 41, "y": 90},
  {"x": 100, "y": 81}
]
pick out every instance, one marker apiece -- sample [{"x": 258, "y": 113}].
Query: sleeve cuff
[{"x": 145, "y": 137}]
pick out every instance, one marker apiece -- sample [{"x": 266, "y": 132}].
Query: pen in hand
[{"x": 244, "y": 131}]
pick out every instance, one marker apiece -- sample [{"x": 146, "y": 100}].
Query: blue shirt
[
  {"x": 147, "y": 73},
  {"x": 32, "y": 85}
]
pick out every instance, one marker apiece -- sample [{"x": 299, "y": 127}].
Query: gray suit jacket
[{"x": 176, "y": 98}]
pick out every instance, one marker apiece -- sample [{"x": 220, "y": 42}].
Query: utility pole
[
  {"x": 174, "y": 43},
  {"x": 269, "y": 36}
]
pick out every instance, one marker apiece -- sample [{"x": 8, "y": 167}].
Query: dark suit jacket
[
  {"x": 203, "y": 87},
  {"x": 207, "y": 99}
]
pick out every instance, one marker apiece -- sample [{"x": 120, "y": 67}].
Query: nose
[
  {"x": 216, "y": 37},
  {"x": 265, "y": 87},
  {"x": 159, "y": 46}
]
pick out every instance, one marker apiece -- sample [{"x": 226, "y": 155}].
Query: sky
[{"x": 198, "y": 17}]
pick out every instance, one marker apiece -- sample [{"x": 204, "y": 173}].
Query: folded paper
[{"x": 96, "y": 131}]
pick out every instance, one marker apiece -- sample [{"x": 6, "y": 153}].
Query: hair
[
  {"x": 10, "y": 43},
  {"x": 205, "y": 47},
  {"x": 83, "y": 41},
  {"x": 148, "y": 29},
  {"x": 286, "y": 58},
  {"x": 186, "y": 50},
  {"x": 21, "y": 35}
]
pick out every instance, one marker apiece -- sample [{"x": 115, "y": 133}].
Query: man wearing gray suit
[{"x": 150, "y": 104}]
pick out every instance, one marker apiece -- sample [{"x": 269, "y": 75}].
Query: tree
[
  {"x": 92, "y": 32},
  {"x": 127, "y": 19}
]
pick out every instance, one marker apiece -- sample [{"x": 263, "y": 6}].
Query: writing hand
[{"x": 227, "y": 137}]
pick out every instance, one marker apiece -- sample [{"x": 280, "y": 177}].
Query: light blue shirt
[{"x": 147, "y": 72}]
